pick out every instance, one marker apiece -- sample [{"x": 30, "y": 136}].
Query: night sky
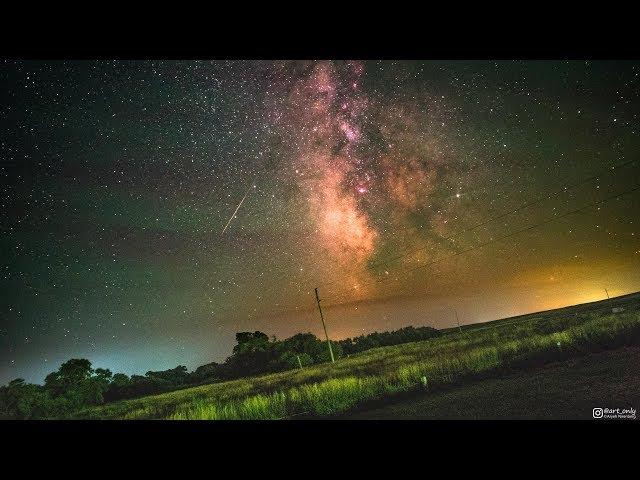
[{"x": 151, "y": 209}]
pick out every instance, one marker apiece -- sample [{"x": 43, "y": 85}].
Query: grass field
[
  {"x": 382, "y": 374},
  {"x": 566, "y": 390}
]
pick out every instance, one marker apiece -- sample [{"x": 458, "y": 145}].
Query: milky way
[
  {"x": 379, "y": 182},
  {"x": 364, "y": 164}
]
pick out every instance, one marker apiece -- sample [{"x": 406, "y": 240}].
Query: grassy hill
[
  {"x": 566, "y": 390},
  {"x": 380, "y": 374}
]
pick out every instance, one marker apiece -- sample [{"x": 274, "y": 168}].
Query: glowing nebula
[
  {"x": 349, "y": 154},
  {"x": 343, "y": 226}
]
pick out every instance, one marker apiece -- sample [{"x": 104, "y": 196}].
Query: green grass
[
  {"x": 382, "y": 373},
  {"x": 567, "y": 390}
]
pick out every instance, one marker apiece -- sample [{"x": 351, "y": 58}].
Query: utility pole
[
  {"x": 607, "y": 292},
  {"x": 457, "y": 320},
  {"x": 325, "y": 327}
]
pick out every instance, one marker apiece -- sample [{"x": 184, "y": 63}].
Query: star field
[{"x": 151, "y": 209}]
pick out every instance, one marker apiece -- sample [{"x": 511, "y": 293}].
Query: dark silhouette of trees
[
  {"x": 73, "y": 386},
  {"x": 76, "y": 385},
  {"x": 383, "y": 339}
]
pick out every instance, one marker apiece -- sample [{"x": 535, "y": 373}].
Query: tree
[
  {"x": 118, "y": 387},
  {"x": 209, "y": 372},
  {"x": 251, "y": 342},
  {"x": 289, "y": 360},
  {"x": 252, "y": 354},
  {"x": 120, "y": 380},
  {"x": 305, "y": 343},
  {"x": 176, "y": 376},
  {"x": 20, "y": 400},
  {"x": 324, "y": 355},
  {"x": 70, "y": 374},
  {"x": 76, "y": 385},
  {"x": 104, "y": 374}
]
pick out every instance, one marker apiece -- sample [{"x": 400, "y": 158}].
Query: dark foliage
[
  {"x": 73, "y": 386},
  {"x": 383, "y": 339},
  {"x": 76, "y": 385}
]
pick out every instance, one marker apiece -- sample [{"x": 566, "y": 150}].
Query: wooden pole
[
  {"x": 607, "y": 292},
  {"x": 325, "y": 327}
]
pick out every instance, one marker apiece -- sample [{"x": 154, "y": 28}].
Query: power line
[
  {"x": 536, "y": 201},
  {"x": 511, "y": 234},
  {"x": 528, "y": 204},
  {"x": 471, "y": 169}
]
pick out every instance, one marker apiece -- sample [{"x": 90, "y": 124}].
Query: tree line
[{"x": 77, "y": 385}]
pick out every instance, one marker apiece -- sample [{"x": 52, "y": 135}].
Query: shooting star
[{"x": 238, "y": 207}]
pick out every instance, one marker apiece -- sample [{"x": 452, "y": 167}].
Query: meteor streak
[{"x": 237, "y": 208}]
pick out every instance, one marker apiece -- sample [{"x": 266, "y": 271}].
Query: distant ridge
[{"x": 606, "y": 304}]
